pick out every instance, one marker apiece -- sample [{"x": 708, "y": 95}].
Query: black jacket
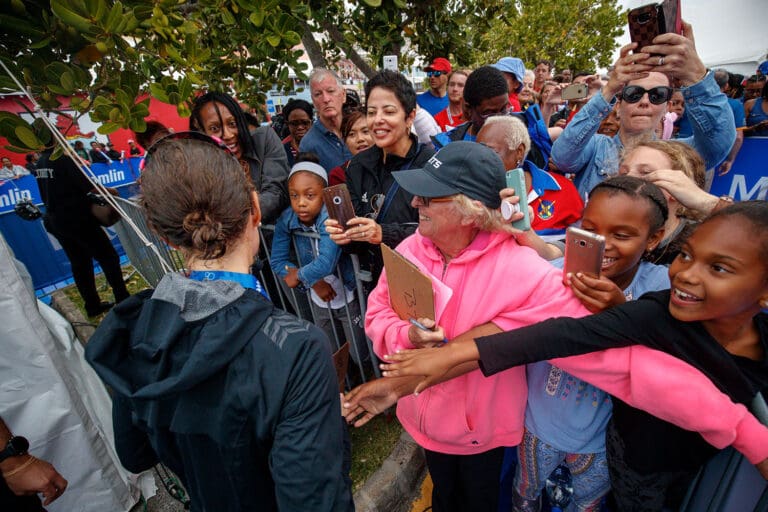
[
  {"x": 368, "y": 175},
  {"x": 238, "y": 398},
  {"x": 269, "y": 172}
]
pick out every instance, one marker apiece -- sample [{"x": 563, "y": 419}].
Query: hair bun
[{"x": 207, "y": 235}]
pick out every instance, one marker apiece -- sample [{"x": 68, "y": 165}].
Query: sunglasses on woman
[
  {"x": 656, "y": 95},
  {"x": 431, "y": 74}
]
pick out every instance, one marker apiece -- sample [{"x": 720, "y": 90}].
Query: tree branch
[
  {"x": 338, "y": 38},
  {"x": 315, "y": 53}
]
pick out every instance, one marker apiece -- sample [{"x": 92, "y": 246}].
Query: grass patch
[
  {"x": 133, "y": 281},
  {"x": 371, "y": 444}
]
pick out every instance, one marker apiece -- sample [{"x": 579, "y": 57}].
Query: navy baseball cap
[{"x": 461, "y": 167}]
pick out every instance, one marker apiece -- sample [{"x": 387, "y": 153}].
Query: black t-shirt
[
  {"x": 651, "y": 444},
  {"x": 63, "y": 188}
]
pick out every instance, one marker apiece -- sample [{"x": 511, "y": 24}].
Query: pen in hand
[{"x": 424, "y": 328}]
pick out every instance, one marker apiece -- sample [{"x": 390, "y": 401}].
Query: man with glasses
[
  {"x": 640, "y": 82},
  {"x": 324, "y": 138},
  {"x": 485, "y": 94},
  {"x": 436, "y": 98}
]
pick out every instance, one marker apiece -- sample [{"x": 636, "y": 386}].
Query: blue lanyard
[{"x": 244, "y": 280}]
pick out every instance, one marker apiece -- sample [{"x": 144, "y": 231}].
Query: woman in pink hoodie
[{"x": 484, "y": 281}]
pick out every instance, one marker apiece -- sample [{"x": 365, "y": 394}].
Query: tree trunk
[
  {"x": 315, "y": 53},
  {"x": 335, "y": 34}
]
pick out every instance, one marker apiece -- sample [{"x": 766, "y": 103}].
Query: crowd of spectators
[{"x": 239, "y": 398}]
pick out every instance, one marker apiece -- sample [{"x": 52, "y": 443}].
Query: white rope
[{"x": 85, "y": 168}]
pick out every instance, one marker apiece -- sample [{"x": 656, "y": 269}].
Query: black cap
[{"x": 460, "y": 167}]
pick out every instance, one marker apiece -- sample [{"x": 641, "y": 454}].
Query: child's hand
[
  {"x": 324, "y": 290},
  {"x": 335, "y": 232},
  {"x": 292, "y": 277},
  {"x": 420, "y": 338},
  {"x": 596, "y": 294},
  {"x": 431, "y": 363}
]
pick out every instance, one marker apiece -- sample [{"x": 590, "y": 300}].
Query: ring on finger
[{"x": 661, "y": 61}]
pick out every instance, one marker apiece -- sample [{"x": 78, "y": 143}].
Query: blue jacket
[
  {"x": 595, "y": 157},
  {"x": 317, "y": 258}
]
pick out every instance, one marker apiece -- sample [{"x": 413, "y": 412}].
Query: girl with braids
[
  {"x": 712, "y": 318},
  {"x": 237, "y": 397},
  {"x": 565, "y": 418},
  {"x": 259, "y": 150}
]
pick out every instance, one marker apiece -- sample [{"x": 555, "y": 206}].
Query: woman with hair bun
[{"x": 237, "y": 397}]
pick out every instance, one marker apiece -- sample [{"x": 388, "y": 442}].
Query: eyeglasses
[
  {"x": 656, "y": 95},
  {"x": 301, "y": 122},
  {"x": 502, "y": 112},
  {"x": 427, "y": 200},
  {"x": 431, "y": 74},
  {"x": 186, "y": 135}
]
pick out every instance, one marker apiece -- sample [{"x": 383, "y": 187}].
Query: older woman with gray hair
[
  {"x": 483, "y": 281},
  {"x": 554, "y": 200}
]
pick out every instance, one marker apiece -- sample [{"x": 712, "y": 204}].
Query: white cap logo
[{"x": 435, "y": 162}]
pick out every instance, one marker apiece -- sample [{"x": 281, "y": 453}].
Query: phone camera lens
[
  {"x": 582, "y": 243},
  {"x": 337, "y": 200}
]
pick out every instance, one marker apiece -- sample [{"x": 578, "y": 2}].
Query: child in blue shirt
[
  {"x": 566, "y": 418},
  {"x": 332, "y": 298}
]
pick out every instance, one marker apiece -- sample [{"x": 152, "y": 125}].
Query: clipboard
[{"x": 410, "y": 290}]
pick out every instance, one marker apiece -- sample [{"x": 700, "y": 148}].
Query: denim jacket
[
  {"x": 595, "y": 157},
  {"x": 313, "y": 268}
]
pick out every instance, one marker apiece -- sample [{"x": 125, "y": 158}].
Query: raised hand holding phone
[{"x": 516, "y": 181}]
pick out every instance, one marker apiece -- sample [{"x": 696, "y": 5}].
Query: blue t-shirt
[
  {"x": 568, "y": 413},
  {"x": 432, "y": 103},
  {"x": 738, "y": 112}
]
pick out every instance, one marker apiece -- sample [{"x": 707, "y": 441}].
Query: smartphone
[
  {"x": 575, "y": 92},
  {"x": 583, "y": 252},
  {"x": 516, "y": 180},
  {"x": 339, "y": 204},
  {"x": 648, "y": 21}
]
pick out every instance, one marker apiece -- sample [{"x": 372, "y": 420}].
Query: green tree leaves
[
  {"x": 104, "y": 54},
  {"x": 575, "y": 34}
]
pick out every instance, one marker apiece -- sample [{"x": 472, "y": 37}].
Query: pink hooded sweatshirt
[{"x": 496, "y": 280}]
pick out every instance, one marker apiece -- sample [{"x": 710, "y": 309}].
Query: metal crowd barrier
[
  {"x": 149, "y": 265},
  {"x": 361, "y": 348},
  {"x": 142, "y": 257}
]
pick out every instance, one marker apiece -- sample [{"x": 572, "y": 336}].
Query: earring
[{"x": 518, "y": 163}]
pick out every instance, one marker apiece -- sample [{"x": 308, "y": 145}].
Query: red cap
[{"x": 439, "y": 64}]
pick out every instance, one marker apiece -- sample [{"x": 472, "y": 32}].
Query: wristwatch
[{"x": 17, "y": 445}]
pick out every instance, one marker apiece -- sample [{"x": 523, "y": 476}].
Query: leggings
[{"x": 537, "y": 460}]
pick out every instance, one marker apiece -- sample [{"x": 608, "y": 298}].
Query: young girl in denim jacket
[{"x": 332, "y": 298}]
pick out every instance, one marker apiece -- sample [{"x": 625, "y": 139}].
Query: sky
[{"x": 726, "y": 31}]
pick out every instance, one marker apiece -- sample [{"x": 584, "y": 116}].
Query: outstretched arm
[{"x": 372, "y": 398}]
